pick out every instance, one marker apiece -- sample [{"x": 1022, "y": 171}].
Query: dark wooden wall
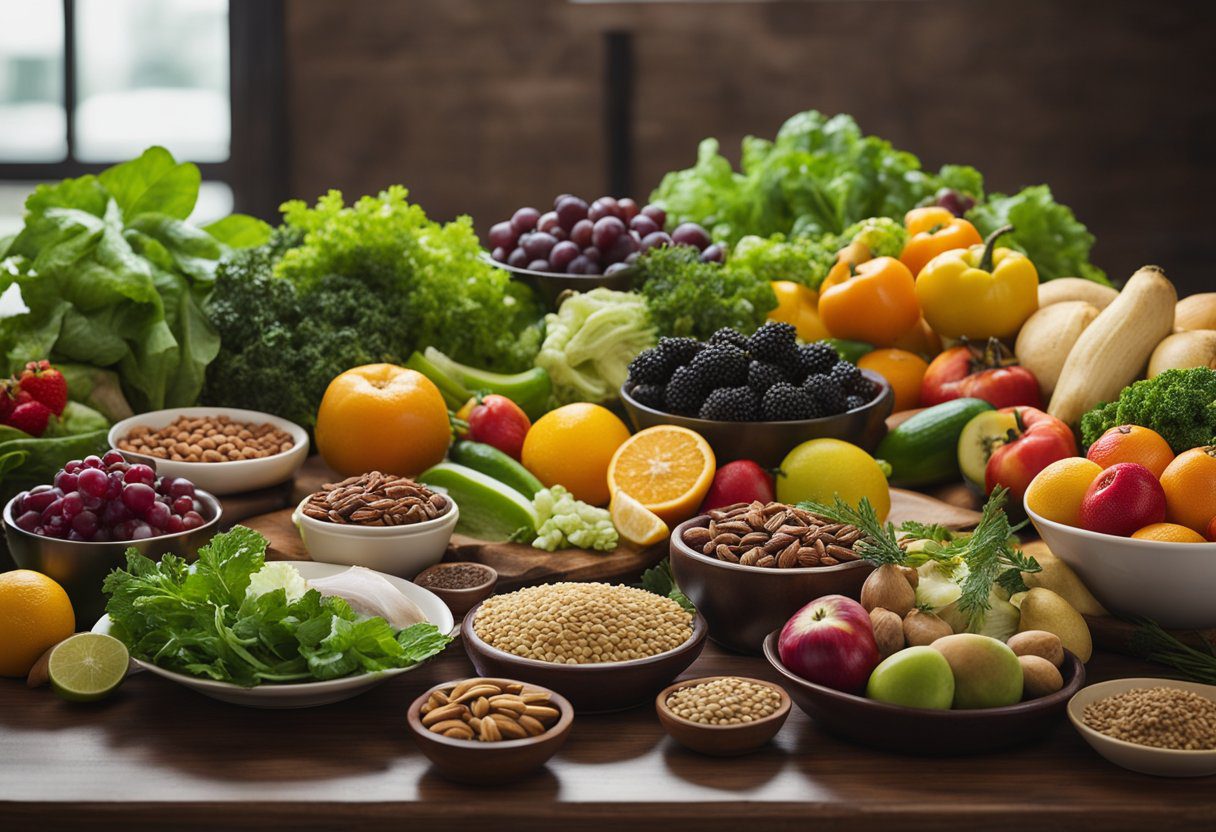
[{"x": 480, "y": 106}]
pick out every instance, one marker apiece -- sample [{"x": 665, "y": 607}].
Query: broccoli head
[{"x": 1178, "y": 404}]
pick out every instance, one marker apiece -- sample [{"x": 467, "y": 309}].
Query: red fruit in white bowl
[
  {"x": 1125, "y": 497},
  {"x": 830, "y": 642},
  {"x": 741, "y": 481}
]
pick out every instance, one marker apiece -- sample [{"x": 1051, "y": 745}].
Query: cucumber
[
  {"x": 489, "y": 510},
  {"x": 924, "y": 449},
  {"x": 529, "y": 389},
  {"x": 490, "y": 461}
]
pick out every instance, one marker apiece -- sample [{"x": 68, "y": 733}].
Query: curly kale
[
  {"x": 690, "y": 298},
  {"x": 1178, "y": 404}
]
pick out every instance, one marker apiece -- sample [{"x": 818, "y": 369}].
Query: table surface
[{"x": 156, "y": 755}]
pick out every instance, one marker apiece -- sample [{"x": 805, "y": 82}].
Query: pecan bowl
[{"x": 744, "y": 602}]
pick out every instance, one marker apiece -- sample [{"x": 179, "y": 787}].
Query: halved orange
[{"x": 668, "y": 469}]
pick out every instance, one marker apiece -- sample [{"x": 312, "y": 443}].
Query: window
[{"x": 87, "y": 83}]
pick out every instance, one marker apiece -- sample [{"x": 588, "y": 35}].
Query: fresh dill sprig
[
  {"x": 1152, "y": 642},
  {"x": 927, "y": 531},
  {"x": 880, "y": 544}
]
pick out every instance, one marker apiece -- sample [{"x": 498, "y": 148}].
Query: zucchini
[
  {"x": 489, "y": 510},
  {"x": 530, "y": 389},
  {"x": 924, "y": 449},
  {"x": 494, "y": 463}
]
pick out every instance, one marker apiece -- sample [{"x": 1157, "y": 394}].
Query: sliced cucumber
[
  {"x": 923, "y": 450},
  {"x": 490, "y": 461},
  {"x": 979, "y": 440},
  {"x": 489, "y": 509}
]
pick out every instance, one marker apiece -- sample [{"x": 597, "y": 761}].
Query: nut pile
[
  {"x": 726, "y": 701},
  {"x": 582, "y": 623},
  {"x": 1160, "y": 717},
  {"x": 774, "y": 536},
  {"x": 207, "y": 439},
  {"x": 489, "y": 711},
  {"x": 375, "y": 499}
]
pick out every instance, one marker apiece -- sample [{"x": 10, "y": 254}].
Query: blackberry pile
[{"x": 732, "y": 377}]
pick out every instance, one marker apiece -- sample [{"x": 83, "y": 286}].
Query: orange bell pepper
[
  {"x": 874, "y": 301},
  {"x": 931, "y": 231}
]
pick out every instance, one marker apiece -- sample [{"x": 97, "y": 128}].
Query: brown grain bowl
[
  {"x": 460, "y": 601},
  {"x": 767, "y": 443},
  {"x": 593, "y": 688},
  {"x": 721, "y": 740},
  {"x": 743, "y": 604},
  {"x": 924, "y": 731},
  {"x": 471, "y": 761}
]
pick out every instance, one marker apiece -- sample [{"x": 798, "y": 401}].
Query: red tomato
[
  {"x": 498, "y": 421},
  {"x": 991, "y": 374},
  {"x": 1041, "y": 440}
]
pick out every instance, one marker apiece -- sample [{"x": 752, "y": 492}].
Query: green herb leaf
[
  {"x": 930, "y": 531},
  {"x": 659, "y": 580},
  {"x": 879, "y": 546}
]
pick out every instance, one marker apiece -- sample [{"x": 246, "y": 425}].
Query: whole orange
[
  {"x": 1169, "y": 533},
  {"x": 903, "y": 370},
  {"x": 1132, "y": 443},
  {"x": 1056, "y": 492},
  {"x": 1190, "y": 488},
  {"x": 381, "y": 417},
  {"x": 572, "y": 446},
  {"x": 35, "y": 615}
]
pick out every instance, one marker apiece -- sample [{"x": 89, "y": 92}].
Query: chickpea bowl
[{"x": 223, "y": 450}]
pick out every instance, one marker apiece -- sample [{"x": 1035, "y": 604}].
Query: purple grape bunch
[
  {"x": 600, "y": 238},
  {"x": 106, "y": 498}
]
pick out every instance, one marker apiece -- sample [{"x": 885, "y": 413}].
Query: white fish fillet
[{"x": 369, "y": 593}]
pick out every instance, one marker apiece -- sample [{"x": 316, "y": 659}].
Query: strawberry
[
  {"x": 11, "y": 396},
  {"x": 46, "y": 384},
  {"x": 30, "y": 417}
]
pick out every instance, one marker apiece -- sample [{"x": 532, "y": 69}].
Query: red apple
[
  {"x": 1125, "y": 497},
  {"x": 830, "y": 642},
  {"x": 498, "y": 421},
  {"x": 741, "y": 481}
]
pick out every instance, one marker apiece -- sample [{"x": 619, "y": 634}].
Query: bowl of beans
[
  {"x": 605, "y": 647},
  {"x": 1154, "y": 726},
  {"x": 384, "y": 522},
  {"x": 750, "y": 566},
  {"x": 223, "y": 450},
  {"x": 723, "y": 716}
]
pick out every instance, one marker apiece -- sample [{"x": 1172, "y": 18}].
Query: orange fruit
[
  {"x": 1211, "y": 532},
  {"x": 798, "y": 306},
  {"x": 1055, "y": 493},
  {"x": 920, "y": 339},
  {"x": 572, "y": 446},
  {"x": 381, "y": 417},
  {"x": 1190, "y": 488},
  {"x": 902, "y": 369},
  {"x": 1168, "y": 532},
  {"x": 1132, "y": 443},
  {"x": 667, "y": 469},
  {"x": 35, "y": 615}
]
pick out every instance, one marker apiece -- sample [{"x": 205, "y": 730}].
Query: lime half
[{"x": 87, "y": 666}]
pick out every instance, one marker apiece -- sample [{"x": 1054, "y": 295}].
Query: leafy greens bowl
[{"x": 226, "y": 642}]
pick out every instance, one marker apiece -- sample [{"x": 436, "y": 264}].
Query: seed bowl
[
  {"x": 459, "y": 600},
  {"x": 470, "y": 761},
  {"x": 767, "y": 443},
  {"x": 593, "y": 688},
  {"x": 721, "y": 740}
]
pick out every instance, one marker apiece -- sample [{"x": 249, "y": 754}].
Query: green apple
[
  {"x": 918, "y": 677},
  {"x": 987, "y": 673}
]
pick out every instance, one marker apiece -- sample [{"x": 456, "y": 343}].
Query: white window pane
[
  {"x": 12, "y": 205},
  {"x": 214, "y": 203},
  {"x": 32, "y": 123},
  {"x": 152, "y": 72}
]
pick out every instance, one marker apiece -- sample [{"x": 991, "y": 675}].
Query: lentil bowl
[
  {"x": 713, "y": 714},
  {"x": 630, "y": 676}
]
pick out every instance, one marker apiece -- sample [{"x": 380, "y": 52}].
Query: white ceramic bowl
[
  {"x": 306, "y": 694},
  {"x": 398, "y": 550},
  {"x": 1164, "y": 762},
  {"x": 1170, "y": 583},
  {"x": 222, "y": 477}
]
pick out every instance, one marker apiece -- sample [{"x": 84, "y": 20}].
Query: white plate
[
  {"x": 222, "y": 477},
  {"x": 307, "y": 694}
]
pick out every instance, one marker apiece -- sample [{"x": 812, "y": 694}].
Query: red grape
[
  {"x": 28, "y": 521},
  {"x": 73, "y": 466},
  {"x": 92, "y": 461},
  {"x": 578, "y": 265},
  {"x": 538, "y": 245},
  {"x": 524, "y": 219},
  {"x": 114, "y": 513},
  {"x": 606, "y": 230},
  {"x": 713, "y": 254},
  {"x": 65, "y": 482},
  {"x": 85, "y": 523},
  {"x": 628, "y": 208},
  {"x": 503, "y": 235},
  {"x": 570, "y": 209},
  {"x": 158, "y": 515},
  {"x": 517, "y": 259},
  {"x": 656, "y": 240},
  {"x": 616, "y": 267},
  {"x": 183, "y": 504},
  {"x": 138, "y": 497},
  {"x": 657, "y": 214},
  {"x": 71, "y": 505},
  {"x": 140, "y": 473},
  {"x": 621, "y": 247},
  {"x": 539, "y": 265},
  {"x": 691, "y": 234},
  {"x": 140, "y": 530},
  {"x": 547, "y": 222},
  {"x": 192, "y": 520},
  {"x": 112, "y": 457},
  {"x": 93, "y": 482},
  {"x": 581, "y": 233},
  {"x": 562, "y": 254},
  {"x": 643, "y": 225},
  {"x": 605, "y": 206},
  {"x": 557, "y": 199},
  {"x": 180, "y": 488},
  {"x": 174, "y": 525},
  {"x": 593, "y": 254},
  {"x": 499, "y": 254}
]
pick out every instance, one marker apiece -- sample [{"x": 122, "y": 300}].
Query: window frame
[{"x": 256, "y": 167}]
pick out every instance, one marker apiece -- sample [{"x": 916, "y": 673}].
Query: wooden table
[{"x": 156, "y": 756}]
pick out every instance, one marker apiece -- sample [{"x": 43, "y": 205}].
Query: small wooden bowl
[
  {"x": 460, "y": 601},
  {"x": 593, "y": 688},
  {"x": 471, "y": 761},
  {"x": 721, "y": 740}
]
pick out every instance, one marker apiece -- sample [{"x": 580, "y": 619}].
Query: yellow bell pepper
[
  {"x": 980, "y": 292},
  {"x": 798, "y": 305}
]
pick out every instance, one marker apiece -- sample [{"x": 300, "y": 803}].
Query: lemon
[
  {"x": 88, "y": 666},
  {"x": 823, "y": 469},
  {"x": 1056, "y": 492},
  {"x": 636, "y": 523},
  {"x": 35, "y": 614}
]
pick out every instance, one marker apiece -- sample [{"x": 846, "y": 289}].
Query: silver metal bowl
[
  {"x": 767, "y": 443},
  {"x": 81, "y": 567}
]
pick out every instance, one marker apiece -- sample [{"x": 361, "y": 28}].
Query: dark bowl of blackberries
[
  {"x": 578, "y": 247},
  {"x": 757, "y": 397}
]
